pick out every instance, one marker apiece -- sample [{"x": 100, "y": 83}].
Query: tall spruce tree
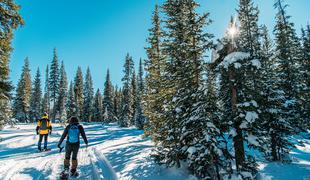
[
  {"x": 71, "y": 102},
  {"x": 249, "y": 30},
  {"x": 10, "y": 20},
  {"x": 36, "y": 98},
  {"x": 88, "y": 97},
  {"x": 185, "y": 45},
  {"x": 46, "y": 97},
  {"x": 134, "y": 98},
  {"x": 305, "y": 72},
  {"x": 155, "y": 66},
  {"x": 97, "y": 110},
  {"x": 139, "y": 113},
  {"x": 108, "y": 99},
  {"x": 78, "y": 92},
  {"x": 54, "y": 84},
  {"x": 117, "y": 102},
  {"x": 63, "y": 94},
  {"x": 127, "y": 99},
  {"x": 241, "y": 102},
  {"x": 23, "y": 94}
]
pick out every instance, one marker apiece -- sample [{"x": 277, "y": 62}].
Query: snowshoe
[
  {"x": 74, "y": 174},
  {"x": 64, "y": 174},
  {"x": 47, "y": 149}
]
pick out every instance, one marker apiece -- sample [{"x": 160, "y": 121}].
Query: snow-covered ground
[{"x": 113, "y": 153}]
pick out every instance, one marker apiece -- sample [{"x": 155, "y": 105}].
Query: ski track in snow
[{"x": 113, "y": 153}]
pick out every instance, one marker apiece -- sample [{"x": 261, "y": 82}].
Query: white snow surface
[
  {"x": 233, "y": 58},
  {"x": 118, "y": 153},
  {"x": 113, "y": 153}
]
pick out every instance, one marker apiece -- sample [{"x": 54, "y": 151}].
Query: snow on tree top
[
  {"x": 233, "y": 57},
  {"x": 256, "y": 63},
  {"x": 191, "y": 150},
  {"x": 251, "y": 116}
]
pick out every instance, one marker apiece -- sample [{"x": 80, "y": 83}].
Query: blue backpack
[{"x": 74, "y": 134}]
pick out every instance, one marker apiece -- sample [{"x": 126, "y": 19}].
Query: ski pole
[{"x": 60, "y": 149}]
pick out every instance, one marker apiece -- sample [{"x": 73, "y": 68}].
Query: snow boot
[
  {"x": 74, "y": 173},
  {"x": 74, "y": 165},
  {"x": 66, "y": 163},
  {"x": 64, "y": 174}
]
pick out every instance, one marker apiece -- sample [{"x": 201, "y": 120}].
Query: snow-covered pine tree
[
  {"x": 239, "y": 70},
  {"x": 288, "y": 61},
  {"x": 71, "y": 102},
  {"x": 133, "y": 89},
  {"x": 23, "y": 93},
  {"x": 78, "y": 93},
  {"x": 127, "y": 99},
  {"x": 54, "y": 84},
  {"x": 249, "y": 30},
  {"x": 36, "y": 98},
  {"x": 117, "y": 102},
  {"x": 63, "y": 94},
  {"x": 10, "y": 20},
  {"x": 185, "y": 45},
  {"x": 154, "y": 96},
  {"x": 97, "y": 108},
  {"x": 305, "y": 74},
  {"x": 88, "y": 94},
  {"x": 108, "y": 98},
  {"x": 46, "y": 97},
  {"x": 139, "y": 115},
  {"x": 271, "y": 115},
  {"x": 208, "y": 156}
]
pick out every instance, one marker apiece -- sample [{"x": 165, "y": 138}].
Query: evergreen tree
[
  {"x": 10, "y": 20},
  {"x": 127, "y": 99},
  {"x": 139, "y": 115},
  {"x": 117, "y": 102},
  {"x": 249, "y": 31},
  {"x": 23, "y": 94},
  {"x": 71, "y": 103},
  {"x": 185, "y": 45},
  {"x": 288, "y": 62},
  {"x": 63, "y": 94},
  {"x": 36, "y": 98},
  {"x": 88, "y": 97},
  {"x": 134, "y": 98},
  {"x": 78, "y": 92},
  {"x": 304, "y": 73},
  {"x": 155, "y": 92},
  {"x": 46, "y": 97},
  {"x": 97, "y": 110},
  {"x": 54, "y": 84},
  {"x": 108, "y": 98}
]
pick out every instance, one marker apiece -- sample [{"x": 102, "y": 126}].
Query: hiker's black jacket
[{"x": 81, "y": 131}]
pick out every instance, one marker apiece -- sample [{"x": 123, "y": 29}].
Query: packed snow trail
[
  {"x": 113, "y": 153},
  {"x": 116, "y": 153}
]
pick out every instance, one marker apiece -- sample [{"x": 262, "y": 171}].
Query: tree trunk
[
  {"x": 238, "y": 139},
  {"x": 274, "y": 153}
]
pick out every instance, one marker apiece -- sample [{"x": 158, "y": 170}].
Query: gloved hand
[
  {"x": 59, "y": 146},
  {"x": 37, "y": 132},
  {"x": 86, "y": 146},
  {"x": 50, "y": 132}
]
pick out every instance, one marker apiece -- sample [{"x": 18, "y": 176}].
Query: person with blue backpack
[{"x": 73, "y": 132}]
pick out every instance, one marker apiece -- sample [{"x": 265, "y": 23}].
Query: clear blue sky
[{"x": 99, "y": 33}]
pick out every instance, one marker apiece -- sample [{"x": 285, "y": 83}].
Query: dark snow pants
[
  {"x": 45, "y": 140},
  {"x": 72, "y": 148}
]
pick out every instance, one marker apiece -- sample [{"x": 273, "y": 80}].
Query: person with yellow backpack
[{"x": 44, "y": 128}]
